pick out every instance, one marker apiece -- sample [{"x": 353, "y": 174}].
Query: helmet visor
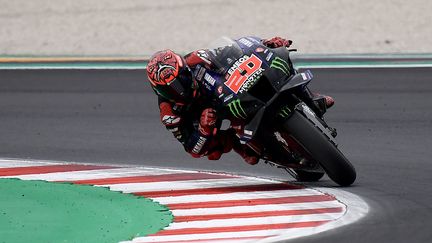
[{"x": 179, "y": 90}]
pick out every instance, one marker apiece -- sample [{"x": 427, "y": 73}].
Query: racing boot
[
  {"x": 324, "y": 102},
  {"x": 318, "y": 102}
]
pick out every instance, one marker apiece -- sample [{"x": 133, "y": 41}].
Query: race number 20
[{"x": 242, "y": 69}]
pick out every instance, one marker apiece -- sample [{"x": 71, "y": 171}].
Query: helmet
[{"x": 170, "y": 77}]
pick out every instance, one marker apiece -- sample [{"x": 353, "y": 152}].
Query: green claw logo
[
  {"x": 285, "y": 112},
  {"x": 236, "y": 109},
  {"x": 280, "y": 64}
]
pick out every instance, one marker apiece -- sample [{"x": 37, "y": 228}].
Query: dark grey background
[{"x": 383, "y": 117}]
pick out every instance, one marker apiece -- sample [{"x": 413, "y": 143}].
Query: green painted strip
[
  {"x": 362, "y": 65},
  {"x": 44, "y": 212},
  {"x": 75, "y": 65},
  {"x": 365, "y": 55}
]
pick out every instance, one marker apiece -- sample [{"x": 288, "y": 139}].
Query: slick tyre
[{"x": 319, "y": 147}]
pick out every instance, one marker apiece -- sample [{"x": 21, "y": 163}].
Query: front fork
[
  {"x": 317, "y": 121},
  {"x": 299, "y": 156}
]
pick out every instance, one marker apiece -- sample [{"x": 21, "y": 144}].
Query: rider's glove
[
  {"x": 207, "y": 121},
  {"x": 277, "y": 42},
  {"x": 222, "y": 143}
]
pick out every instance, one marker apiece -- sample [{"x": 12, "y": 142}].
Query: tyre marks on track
[{"x": 207, "y": 207}]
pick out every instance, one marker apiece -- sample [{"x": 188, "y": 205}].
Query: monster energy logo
[
  {"x": 236, "y": 109},
  {"x": 285, "y": 111},
  {"x": 279, "y": 63}
]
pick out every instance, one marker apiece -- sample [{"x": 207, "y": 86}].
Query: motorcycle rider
[{"x": 187, "y": 113}]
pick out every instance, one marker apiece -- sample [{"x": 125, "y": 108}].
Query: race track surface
[{"x": 383, "y": 117}]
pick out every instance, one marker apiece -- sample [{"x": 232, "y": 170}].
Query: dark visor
[{"x": 177, "y": 90}]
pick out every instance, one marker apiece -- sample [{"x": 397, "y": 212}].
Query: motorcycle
[{"x": 282, "y": 121}]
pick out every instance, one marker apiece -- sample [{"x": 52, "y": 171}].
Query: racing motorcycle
[{"x": 283, "y": 122}]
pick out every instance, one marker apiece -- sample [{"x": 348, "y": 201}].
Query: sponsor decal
[
  {"x": 285, "y": 112},
  {"x": 170, "y": 120},
  {"x": 246, "y": 42},
  {"x": 210, "y": 79},
  {"x": 228, "y": 98},
  {"x": 251, "y": 80},
  {"x": 237, "y": 64},
  {"x": 304, "y": 76},
  {"x": 229, "y": 60},
  {"x": 244, "y": 73},
  {"x": 176, "y": 132},
  {"x": 269, "y": 56},
  {"x": 259, "y": 49},
  {"x": 199, "y": 145},
  {"x": 248, "y": 132},
  {"x": 236, "y": 109},
  {"x": 207, "y": 86},
  {"x": 200, "y": 71},
  {"x": 308, "y": 110},
  {"x": 280, "y": 64},
  {"x": 254, "y": 40}
]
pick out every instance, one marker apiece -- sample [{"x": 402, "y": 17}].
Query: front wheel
[{"x": 320, "y": 149}]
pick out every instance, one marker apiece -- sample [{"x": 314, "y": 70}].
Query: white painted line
[
  {"x": 255, "y": 221},
  {"x": 10, "y": 163},
  {"x": 357, "y": 208},
  {"x": 256, "y": 208},
  {"x": 180, "y": 185},
  {"x": 91, "y": 174},
  {"x": 210, "y": 236},
  {"x": 236, "y": 196}
]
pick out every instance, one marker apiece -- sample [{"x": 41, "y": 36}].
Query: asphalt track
[{"x": 383, "y": 117}]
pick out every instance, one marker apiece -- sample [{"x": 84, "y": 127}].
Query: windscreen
[{"x": 223, "y": 53}]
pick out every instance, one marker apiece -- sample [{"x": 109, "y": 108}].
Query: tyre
[{"x": 318, "y": 146}]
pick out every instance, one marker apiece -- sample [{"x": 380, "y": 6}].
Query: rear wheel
[{"x": 320, "y": 149}]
